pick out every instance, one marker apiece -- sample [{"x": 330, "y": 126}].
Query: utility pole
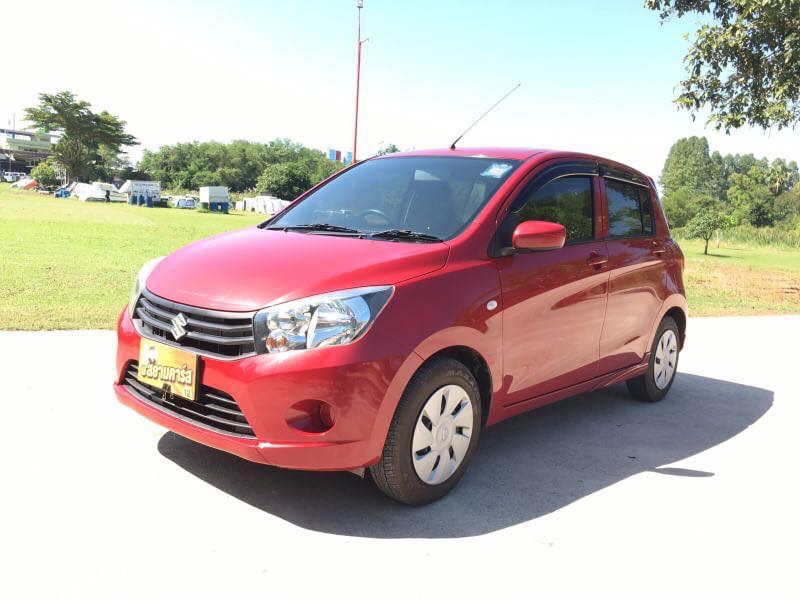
[{"x": 358, "y": 81}]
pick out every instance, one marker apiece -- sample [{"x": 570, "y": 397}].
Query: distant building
[
  {"x": 22, "y": 150},
  {"x": 336, "y": 156}
]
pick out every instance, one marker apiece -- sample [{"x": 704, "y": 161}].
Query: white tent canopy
[
  {"x": 88, "y": 192},
  {"x": 21, "y": 183},
  {"x": 268, "y": 205},
  {"x": 146, "y": 188}
]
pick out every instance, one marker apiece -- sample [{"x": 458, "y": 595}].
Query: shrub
[
  {"x": 46, "y": 175},
  {"x": 787, "y": 236}
]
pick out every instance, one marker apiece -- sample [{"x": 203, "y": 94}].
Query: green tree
[
  {"x": 679, "y": 207},
  {"x": 324, "y": 169},
  {"x": 749, "y": 198},
  {"x": 237, "y": 165},
  {"x": 46, "y": 174},
  {"x": 387, "y": 149},
  {"x": 704, "y": 224},
  {"x": 781, "y": 176},
  {"x": 690, "y": 167},
  {"x": 284, "y": 180},
  {"x": 743, "y": 64},
  {"x": 110, "y": 164},
  {"x": 82, "y": 131},
  {"x": 787, "y": 206}
]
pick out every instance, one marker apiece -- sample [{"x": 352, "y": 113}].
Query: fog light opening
[{"x": 311, "y": 416}]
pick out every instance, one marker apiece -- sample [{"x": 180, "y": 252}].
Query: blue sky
[{"x": 596, "y": 76}]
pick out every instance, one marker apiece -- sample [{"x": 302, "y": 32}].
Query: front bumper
[{"x": 363, "y": 391}]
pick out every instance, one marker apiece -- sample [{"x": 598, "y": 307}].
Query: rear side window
[
  {"x": 630, "y": 211},
  {"x": 568, "y": 201}
]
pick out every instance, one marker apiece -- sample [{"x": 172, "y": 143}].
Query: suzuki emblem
[{"x": 178, "y": 326}]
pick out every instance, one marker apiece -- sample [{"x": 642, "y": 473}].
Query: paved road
[{"x": 596, "y": 496}]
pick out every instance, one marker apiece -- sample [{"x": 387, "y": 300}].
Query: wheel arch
[
  {"x": 674, "y": 306},
  {"x": 477, "y": 365},
  {"x": 680, "y": 319}
]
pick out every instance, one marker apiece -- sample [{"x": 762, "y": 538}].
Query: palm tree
[{"x": 779, "y": 177}]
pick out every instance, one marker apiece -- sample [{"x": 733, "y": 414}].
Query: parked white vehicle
[{"x": 12, "y": 176}]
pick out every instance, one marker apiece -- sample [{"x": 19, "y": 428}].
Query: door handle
[
  {"x": 596, "y": 259},
  {"x": 658, "y": 249}
]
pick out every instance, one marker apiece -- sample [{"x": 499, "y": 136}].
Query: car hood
[{"x": 252, "y": 268}]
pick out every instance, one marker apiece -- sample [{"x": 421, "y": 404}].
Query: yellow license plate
[{"x": 172, "y": 370}]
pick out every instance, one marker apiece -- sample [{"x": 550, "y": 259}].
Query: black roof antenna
[{"x": 514, "y": 89}]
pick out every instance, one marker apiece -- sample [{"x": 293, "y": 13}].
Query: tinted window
[
  {"x": 630, "y": 212},
  {"x": 428, "y": 194},
  {"x": 567, "y": 201}
]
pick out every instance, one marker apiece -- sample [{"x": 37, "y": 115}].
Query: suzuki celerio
[{"x": 390, "y": 313}]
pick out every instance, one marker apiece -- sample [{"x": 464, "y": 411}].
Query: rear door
[
  {"x": 636, "y": 269},
  {"x": 554, "y": 301}
]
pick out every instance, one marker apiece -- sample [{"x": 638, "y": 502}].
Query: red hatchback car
[{"x": 394, "y": 310}]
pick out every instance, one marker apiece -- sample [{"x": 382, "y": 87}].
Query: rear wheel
[
  {"x": 654, "y": 384},
  {"x": 432, "y": 436}
]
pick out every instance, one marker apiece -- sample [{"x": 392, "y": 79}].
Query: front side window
[
  {"x": 630, "y": 211},
  {"x": 434, "y": 195},
  {"x": 567, "y": 201}
]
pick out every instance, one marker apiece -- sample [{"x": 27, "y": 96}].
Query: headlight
[
  {"x": 141, "y": 280},
  {"x": 325, "y": 320}
]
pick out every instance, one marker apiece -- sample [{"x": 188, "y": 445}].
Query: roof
[
  {"x": 517, "y": 154},
  {"x": 484, "y": 152}
]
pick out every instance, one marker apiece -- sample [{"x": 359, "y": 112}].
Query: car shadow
[{"x": 525, "y": 467}]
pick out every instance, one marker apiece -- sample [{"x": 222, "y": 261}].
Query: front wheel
[
  {"x": 657, "y": 380},
  {"x": 432, "y": 436}
]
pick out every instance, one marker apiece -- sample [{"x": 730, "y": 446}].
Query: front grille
[
  {"x": 213, "y": 409},
  {"x": 212, "y": 332}
]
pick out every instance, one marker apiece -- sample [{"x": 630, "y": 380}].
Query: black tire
[
  {"x": 644, "y": 387},
  {"x": 394, "y": 474}
]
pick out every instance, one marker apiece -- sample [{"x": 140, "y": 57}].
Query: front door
[{"x": 554, "y": 301}]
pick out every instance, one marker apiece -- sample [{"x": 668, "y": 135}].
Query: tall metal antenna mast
[
  {"x": 491, "y": 108},
  {"x": 360, "y": 5}
]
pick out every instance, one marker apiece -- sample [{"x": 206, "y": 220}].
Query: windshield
[{"x": 432, "y": 195}]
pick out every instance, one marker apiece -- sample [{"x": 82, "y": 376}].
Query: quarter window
[
  {"x": 568, "y": 201},
  {"x": 630, "y": 211}
]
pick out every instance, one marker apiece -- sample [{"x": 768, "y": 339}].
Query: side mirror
[{"x": 539, "y": 235}]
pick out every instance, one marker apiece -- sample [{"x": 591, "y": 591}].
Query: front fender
[{"x": 436, "y": 312}]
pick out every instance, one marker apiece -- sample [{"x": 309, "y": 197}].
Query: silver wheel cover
[
  {"x": 442, "y": 434},
  {"x": 666, "y": 359}
]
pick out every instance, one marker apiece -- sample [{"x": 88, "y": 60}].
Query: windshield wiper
[
  {"x": 405, "y": 234},
  {"x": 317, "y": 227}
]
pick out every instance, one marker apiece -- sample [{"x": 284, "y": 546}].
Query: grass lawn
[
  {"x": 66, "y": 264},
  {"x": 741, "y": 280}
]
